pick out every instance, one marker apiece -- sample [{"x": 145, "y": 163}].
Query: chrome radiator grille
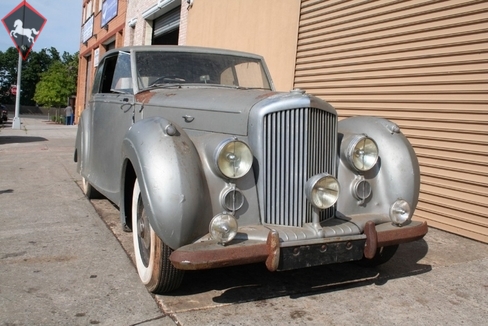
[{"x": 298, "y": 144}]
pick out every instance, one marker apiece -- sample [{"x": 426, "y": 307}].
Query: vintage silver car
[{"x": 211, "y": 167}]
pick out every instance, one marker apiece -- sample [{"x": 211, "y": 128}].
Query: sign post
[
  {"x": 16, "y": 121},
  {"x": 24, "y": 24}
]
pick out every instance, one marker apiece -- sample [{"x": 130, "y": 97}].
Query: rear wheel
[
  {"x": 151, "y": 253},
  {"x": 89, "y": 191},
  {"x": 383, "y": 254}
]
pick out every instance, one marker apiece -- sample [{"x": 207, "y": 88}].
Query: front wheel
[{"x": 151, "y": 253}]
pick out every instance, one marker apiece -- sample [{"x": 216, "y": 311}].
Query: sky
[{"x": 62, "y": 29}]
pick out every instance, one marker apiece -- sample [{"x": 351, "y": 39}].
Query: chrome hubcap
[{"x": 143, "y": 233}]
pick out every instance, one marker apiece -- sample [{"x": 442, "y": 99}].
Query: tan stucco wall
[{"x": 268, "y": 28}]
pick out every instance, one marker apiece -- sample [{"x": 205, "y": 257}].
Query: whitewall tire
[
  {"x": 151, "y": 254},
  {"x": 89, "y": 191}
]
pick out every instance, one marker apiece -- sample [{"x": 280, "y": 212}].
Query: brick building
[{"x": 103, "y": 28}]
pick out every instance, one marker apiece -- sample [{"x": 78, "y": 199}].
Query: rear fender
[
  {"x": 396, "y": 174},
  {"x": 82, "y": 153},
  {"x": 171, "y": 179}
]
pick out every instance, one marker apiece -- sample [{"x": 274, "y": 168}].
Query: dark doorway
[{"x": 170, "y": 38}]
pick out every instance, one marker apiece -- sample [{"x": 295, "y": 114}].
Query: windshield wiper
[
  {"x": 263, "y": 88},
  {"x": 165, "y": 85}
]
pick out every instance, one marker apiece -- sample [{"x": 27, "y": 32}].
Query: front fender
[
  {"x": 171, "y": 179},
  {"x": 395, "y": 175}
]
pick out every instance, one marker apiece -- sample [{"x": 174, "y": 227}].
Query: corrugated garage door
[{"x": 424, "y": 65}]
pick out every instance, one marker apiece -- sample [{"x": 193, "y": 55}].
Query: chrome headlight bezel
[
  {"x": 322, "y": 190},
  {"x": 233, "y": 152},
  {"x": 361, "y": 153}
]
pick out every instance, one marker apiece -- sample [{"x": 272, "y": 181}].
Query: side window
[
  {"x": 98, "y": 79},
  {"x": 108, "y": 74},
  {"x": 122, "y": 81},
  {"x": 116, "y": 76}
]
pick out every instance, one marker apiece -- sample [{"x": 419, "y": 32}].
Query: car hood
[{"x": 217, "y": 109}]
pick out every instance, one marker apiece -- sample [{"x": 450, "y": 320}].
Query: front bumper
[{"x": 285, "y": 255}]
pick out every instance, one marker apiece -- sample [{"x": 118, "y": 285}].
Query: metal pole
[{"x": 16, "y": 121}]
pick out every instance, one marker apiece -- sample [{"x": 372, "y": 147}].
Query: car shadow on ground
[
  {"x": 254, "y": 282},
  {"x": 19, "y": 139}
]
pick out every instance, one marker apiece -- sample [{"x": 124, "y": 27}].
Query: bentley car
[{"x": 211, "y": 167}]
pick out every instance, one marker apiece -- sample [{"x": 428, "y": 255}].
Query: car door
[{"x": 113, "y": 114}]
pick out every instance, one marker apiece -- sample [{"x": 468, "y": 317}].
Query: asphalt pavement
[{"x": 60, "y": 264}]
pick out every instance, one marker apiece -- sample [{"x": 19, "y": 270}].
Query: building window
[{"x": 109, "y": 46}]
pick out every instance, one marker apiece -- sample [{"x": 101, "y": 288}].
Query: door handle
[{"x": 188, "y": 118}]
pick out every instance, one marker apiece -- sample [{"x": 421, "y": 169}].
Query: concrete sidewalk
[{"x": 59, "y": 263}]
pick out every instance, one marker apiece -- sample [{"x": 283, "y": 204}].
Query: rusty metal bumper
[
  {"x": 387, "y": 235},
  {"x": 295, "y": 254}
]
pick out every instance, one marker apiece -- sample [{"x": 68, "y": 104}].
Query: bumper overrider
[{"x": 279, "y": 254}]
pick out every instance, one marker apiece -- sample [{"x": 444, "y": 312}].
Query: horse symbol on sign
[
  {"x": 24, "y": 24},
  {"x": 19, "y": 29}
]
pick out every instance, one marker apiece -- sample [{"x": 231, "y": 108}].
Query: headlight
[
  {"x": 400, "y": 212},
  {"x": 223, "y": 228},
  {"x": 234, "y": 158},
  {"x": 322, "y": 190},
  {"x": 362, "y": 153}
]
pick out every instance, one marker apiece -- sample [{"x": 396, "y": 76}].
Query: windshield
[{"x": 166, "y": 68}]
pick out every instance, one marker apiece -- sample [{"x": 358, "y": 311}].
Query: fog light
[
  {"x": 322, "y": 190},
  {"x": 223, "y": 228},
  {"x": 400, "y": 212}
]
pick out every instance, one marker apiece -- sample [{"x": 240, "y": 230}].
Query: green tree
[
  {"x": 32, "y": 69},
  {"x": 57, "y": 83},
  {"x": 8, "y": 74},
  {"x": 36, "y": 64},
  {"x": 71, "y": 61}
]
